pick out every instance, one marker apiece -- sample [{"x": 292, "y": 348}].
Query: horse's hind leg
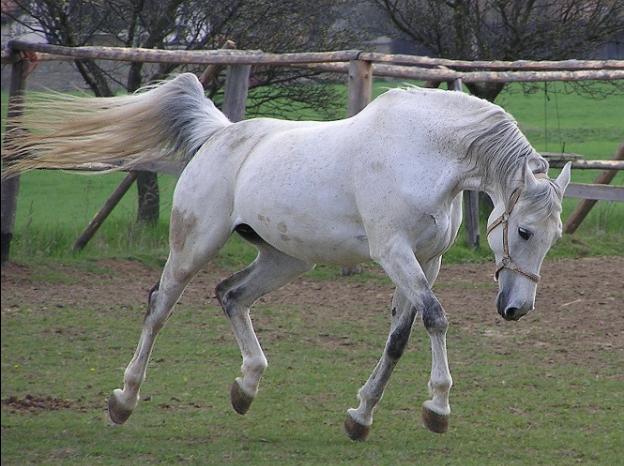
[
  {"x": 192, "y": 245},
  {"x": 271, "y": 270}
]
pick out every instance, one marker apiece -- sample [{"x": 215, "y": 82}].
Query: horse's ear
[
  {"x": 538, "y": 165},
  {"x": 564, "y": 177},
  {"x": 529, "y": 176}
]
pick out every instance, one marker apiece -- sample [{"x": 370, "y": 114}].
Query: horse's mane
[{"x": 495, "y": 147}]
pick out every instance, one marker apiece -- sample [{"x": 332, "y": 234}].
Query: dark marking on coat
[
  {"x": 399, "y": 338},
  {"x": 282, "y": 228},
  {"x": 393, "y": 312},
  {"x": 237, "y": 142},
  {"x": 263, "y": 219},
  {"x": 434, "y": 317},
  {"x": 149, "y": 299},
  {"x": 181, "y": 224},
  {"x": 376, "y": 167}
]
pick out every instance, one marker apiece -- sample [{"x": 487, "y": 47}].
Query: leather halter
[{"x": 507, "y": 262}]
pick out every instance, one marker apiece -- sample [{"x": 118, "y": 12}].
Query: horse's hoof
[
  {"x": 117, "y": 413},
  {"x": 435, "y": 422},
  {"x": 241, "y": 401},
  {"x": 356, "y": 431}
]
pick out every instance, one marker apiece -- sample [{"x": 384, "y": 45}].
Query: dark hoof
[
  {"x": 355, "y": 430},
  {"x": 116, "y": 412},
  {"x": 240, "y": 400},
  {"x": 435, "y": 422}
]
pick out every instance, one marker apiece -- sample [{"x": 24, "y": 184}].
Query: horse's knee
[{"x": 434, "y": 317}]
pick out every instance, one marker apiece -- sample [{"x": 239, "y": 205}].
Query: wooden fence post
[
  {"x": 583, "y": 208},
  {"x": 105, "y": 211},
  {"x": 360, "y": 85},
  {"x": 471, "y": 198},
  {"x": 10, "y": 187},
  {"x": 236, "y": 88}
]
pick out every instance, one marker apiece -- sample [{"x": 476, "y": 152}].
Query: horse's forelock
[{"x": 544, "y": 198}]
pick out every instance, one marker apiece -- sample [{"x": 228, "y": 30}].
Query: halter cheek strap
[{"x": 507, "y": 262}]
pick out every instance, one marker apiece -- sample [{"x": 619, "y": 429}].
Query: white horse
[{"x": 383, "y": 185}]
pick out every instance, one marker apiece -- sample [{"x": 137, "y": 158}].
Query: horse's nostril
[{"x": 510, "y": 312}]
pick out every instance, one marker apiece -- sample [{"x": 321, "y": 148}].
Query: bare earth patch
[
  {"x": 578, "y": 316},
  {"x": 37, "y": 403}
]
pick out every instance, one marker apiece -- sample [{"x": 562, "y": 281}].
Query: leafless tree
[
  {"x": 505, "y": 29},
  {"x": 284, "y": 26}
]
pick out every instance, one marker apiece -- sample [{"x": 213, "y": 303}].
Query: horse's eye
[{"x": 524, "y": 233}]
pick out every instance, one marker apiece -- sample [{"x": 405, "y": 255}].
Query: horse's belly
[
  {"x": 309, "y": 237},
  {"x": 312, "y": 226}
]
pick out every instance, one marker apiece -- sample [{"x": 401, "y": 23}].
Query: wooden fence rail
[
  {"x": 606, "y": 70},
  {"x": 250, "y": 57},
  {"x": 523, "y": 65},
  {"x": 221, "y": 56}
]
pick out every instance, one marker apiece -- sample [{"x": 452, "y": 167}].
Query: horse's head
[{"x": 521, "y": 230}]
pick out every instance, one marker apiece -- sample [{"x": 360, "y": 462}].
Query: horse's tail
[{"x": 62, "y": 131}]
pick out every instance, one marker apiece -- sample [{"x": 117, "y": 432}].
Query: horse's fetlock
[
  {"x": 132, "y": 380},
  {"x": 256, "y": 364},
  {"x": 442, "y": 384},
  {"x": 371, "y": 396}
]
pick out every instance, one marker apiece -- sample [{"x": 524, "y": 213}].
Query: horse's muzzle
[{"x": 510, "y": 312}]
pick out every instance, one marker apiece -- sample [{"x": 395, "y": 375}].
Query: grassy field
[
  {"x": 297, "y": 418},
  {"x": 54, "y": 207},
  {"x": 538, "y": 392}
]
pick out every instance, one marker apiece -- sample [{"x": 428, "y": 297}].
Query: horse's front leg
[
  {"x": 435, "y": 412},
  {"x": 401, "y": 265},
  {"x": 358, "y": 421}
]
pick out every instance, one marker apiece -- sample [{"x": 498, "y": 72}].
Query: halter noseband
[{"x": 506, "y": 262}]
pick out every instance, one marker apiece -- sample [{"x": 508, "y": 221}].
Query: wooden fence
[{"x": 359, "y": 66}]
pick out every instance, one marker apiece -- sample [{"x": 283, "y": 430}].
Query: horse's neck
[
  {"x": 451, "y": 122},
  {"x": 475, "y": 181}
]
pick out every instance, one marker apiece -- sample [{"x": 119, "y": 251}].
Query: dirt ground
[{"x": 578, "y": 316}]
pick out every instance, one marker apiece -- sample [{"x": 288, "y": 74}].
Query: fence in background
[{"x": 359, "y": 66}]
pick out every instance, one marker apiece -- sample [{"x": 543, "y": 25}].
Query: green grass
[
  {"x": 507, "y": 409},
  {"x": 53, "y": 207}
]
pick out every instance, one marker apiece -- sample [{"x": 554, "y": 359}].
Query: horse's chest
[{"x": 435, "y": 232}]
